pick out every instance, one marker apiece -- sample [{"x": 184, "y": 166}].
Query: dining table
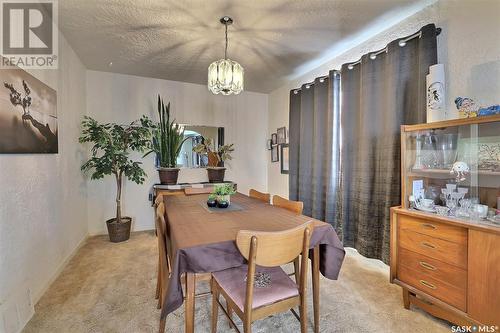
[{"x": 203, "y": 240}]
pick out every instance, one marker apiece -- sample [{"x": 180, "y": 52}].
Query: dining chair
[
  {"x": 265, "y": 252},
  {"x": 266, "y": 197},
  {"x": 158, "y": 199},
  {"x": 296, "y": 207},
  {"x": 164, "y": 264},
  {"x": 165, "y": 261},
  {"x": 293, "y": 206}
]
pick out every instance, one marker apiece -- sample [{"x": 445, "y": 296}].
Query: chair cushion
[{"x": 233, "y": 281}]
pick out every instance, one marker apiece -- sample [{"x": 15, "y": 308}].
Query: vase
[
  {"x": 168, "y": 176},
  {"x": 216, "y": 174},
  {"x": 226, "y": 198}
]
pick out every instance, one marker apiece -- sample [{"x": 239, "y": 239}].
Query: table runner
[{"x": 205, "y": 242}]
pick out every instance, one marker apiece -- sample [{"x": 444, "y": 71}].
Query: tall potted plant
[
  {"x": 111, "y": 147},
  {"x": 216, "y": 158},
  {"x": 168, "y": 137}
]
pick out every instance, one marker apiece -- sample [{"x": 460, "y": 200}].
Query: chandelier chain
[{"x": 225, "y": 51}]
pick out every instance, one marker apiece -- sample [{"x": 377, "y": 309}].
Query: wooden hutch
[{"x": 449, "y": 266}]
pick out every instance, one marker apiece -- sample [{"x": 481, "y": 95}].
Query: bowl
[{"x": 440, "y": 210}]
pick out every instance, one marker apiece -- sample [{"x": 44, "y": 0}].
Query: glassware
[
  {"x": 428, "y": 154},
  {"x": 447, "y": 147}
]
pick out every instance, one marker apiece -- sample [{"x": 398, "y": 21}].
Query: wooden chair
[
  {"x": 164, "y": 264},
  {"x": 158, "y": 199},
  {"x": 266, "y": 197},
  {"x": 165, "y": 260},
  {"x": 293, "y": 206},
  {"x": 296, "y": 207},
  {"x": 269, "y": 250}
]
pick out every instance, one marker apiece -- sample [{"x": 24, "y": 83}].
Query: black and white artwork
[
  {"x": 285, "y": 164},
  {"x": 274, "y": 139},
  {"x": 28, "y": 114},
  {"x": 281, "y": 132},
  {"x": 275, "y": 154}
]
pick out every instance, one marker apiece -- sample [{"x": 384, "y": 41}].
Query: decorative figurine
[
  {"x": 467, "y": 108},
  {"x": 460, "y": 170}
]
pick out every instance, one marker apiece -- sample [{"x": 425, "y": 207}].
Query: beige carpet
[{"x": 110, "y": 288}]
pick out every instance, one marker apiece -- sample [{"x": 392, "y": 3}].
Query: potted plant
[
  {"x": 216, "y": 158},
  {"x": 168, "y": 138},
  {"x": 111, "y": 146},
  {"x": 223, "y": 194}
]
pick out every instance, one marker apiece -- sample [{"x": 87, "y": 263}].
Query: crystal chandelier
[{"x": 225, "y": 76}]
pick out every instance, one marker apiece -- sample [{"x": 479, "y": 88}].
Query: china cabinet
[{"x": 445, "y": 236}]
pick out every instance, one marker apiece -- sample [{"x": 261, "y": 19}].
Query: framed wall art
[
  {"x": 28, "y": 114},
  {"x": 275, "y": 154},
  {"x": 285, "y": 164}
]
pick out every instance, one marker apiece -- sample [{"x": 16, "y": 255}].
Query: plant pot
[
  {"x": 168, "y": 176},
  {"x": 216, "y": 174},
  {"x": 226, "y": 198},
  {"x": 119, "y": 232},
  {"x": 222, "y": 204},
  {"x": 211, "y": 203}
]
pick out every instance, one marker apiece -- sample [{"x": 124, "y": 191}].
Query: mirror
[{"x": 195, "y": 134}]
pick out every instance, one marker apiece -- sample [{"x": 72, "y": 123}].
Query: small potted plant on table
[
  {"x": 168, "y": 138},
  {"x": 111, "y": 147},
  {"x": 216, "y": 158},
  {"x": 223, "y": 194}
]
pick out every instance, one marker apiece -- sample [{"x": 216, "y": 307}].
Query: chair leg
[
  {"x": 303, "y": 315},
  {"x": 162, "y": 325},
  {"x": 159, "y": 285},
  {"x": 247, "y": 326},
  {"x": 158, "y": 280},
  {"x": 230, "y": 314},
  {"x": 296, "y": 266},
  {"x": 215, "y": 307}
]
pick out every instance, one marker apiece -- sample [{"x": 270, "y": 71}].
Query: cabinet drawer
[
  {"x": 427, "y": 284},
  {"x": 451, "y": 253},
  {"x": 434, "y": 229},
  {"x": 436, "y": 269}
]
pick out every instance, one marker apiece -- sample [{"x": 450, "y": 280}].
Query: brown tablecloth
[{"x": 205, "y": 242}]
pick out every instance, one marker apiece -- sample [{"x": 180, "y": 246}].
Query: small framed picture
[
  {"x": 285, "y": 165},
  {"x": 275, "y": 154},
  {"x": 281, "y": 132},
  {"x": 274, "y": 139},
  {"x": 269, "y": 144}
]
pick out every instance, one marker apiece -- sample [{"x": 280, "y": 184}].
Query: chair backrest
[
  {"x": 161, "y": 231},
  {"x": 273, "y": 248},
  {"x": 266, "y": 197},
  {"x": 293, "y": 206},
  {"x": 193, "y": 191},
  {"x": 158, "y": 199}
]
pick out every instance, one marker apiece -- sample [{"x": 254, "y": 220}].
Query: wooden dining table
[{"x": 203, "y": 241}]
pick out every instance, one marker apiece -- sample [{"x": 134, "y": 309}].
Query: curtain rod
[
  {"x": 401, "y": 43},
  {"x": 309, "y": 84},
  {"x": 373, "y": 56}
]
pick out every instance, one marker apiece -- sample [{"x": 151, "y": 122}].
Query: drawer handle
[
  {"x": 428, "y": 225},
  {"x": 427, "y": 284},
  {"x": 427, "y": 266},
  {"x": 428, "y": 245}
]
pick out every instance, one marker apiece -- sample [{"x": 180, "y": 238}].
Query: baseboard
[{"x": 60, "y": 268}]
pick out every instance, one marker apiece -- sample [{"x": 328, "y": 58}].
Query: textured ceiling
[{"x": 177, "y": 40}]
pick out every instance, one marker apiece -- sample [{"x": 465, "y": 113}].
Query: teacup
[
  {"x": 480, "y": 210},
  {"x": 427, "y": 203}
]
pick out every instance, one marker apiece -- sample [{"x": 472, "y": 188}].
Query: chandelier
[{"x": 225, "y": 76}]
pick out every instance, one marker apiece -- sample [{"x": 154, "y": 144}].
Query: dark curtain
[
  {"x": 378, "y": 95},
  {"x": 314, "y": 146}
]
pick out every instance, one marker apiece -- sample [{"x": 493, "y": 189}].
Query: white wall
[
  {"x": 123, "y": 98},
  {"x": 468, "y": 46},
  {"x": 43, "y": 212}
]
